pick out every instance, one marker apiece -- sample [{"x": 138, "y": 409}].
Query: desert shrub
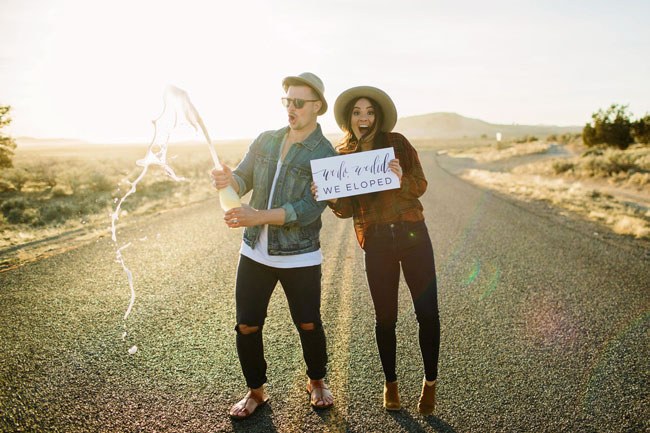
[
  {"x": 6, "y": 186},
  {"x": 99, "y": 182},
  {"x": 7, "y": 143},
  {"x": 158, "y": 189},
  {"x": 569, "y": 137},
  {"x": 639, "y": 179},
  {"x": 563, "y": 166},
  {"x": 27, "y": 216},
  {"x": 552, "y": 138},
  {"x": 612, "y": 127},
  {"x": 641, "y": 129},
  {"x": 73, "y": 179},
  {"x": 12, "y": 203},
  {"x": 621, "y": 162},
  {"x": 57, "y": 212},
  {"x": 60, "y": 191},
  {"x": 45, "y": 172},
  {"x": 17, "y": 211},
  {"x": 594, "y": 151},
  {"x": 610, "y": 163},
  {"x": 526, "y": 139},
  {"x": 18, "y": 177}
]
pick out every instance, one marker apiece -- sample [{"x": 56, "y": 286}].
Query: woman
[{"x": 390, "y": 228}]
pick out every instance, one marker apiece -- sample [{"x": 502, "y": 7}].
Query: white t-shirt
[{"x": 261, "y": 251}]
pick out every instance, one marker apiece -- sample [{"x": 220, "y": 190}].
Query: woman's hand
[
  {"x": 221, "y": 178},
  {"x": 314, "y": 192},
  {"x": 396, "y": 168}
]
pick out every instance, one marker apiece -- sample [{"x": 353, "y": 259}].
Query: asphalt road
[{"x": 545, "y": 328}]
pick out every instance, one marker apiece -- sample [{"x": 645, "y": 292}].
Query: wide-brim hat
[
  {"x": 311, "y": 80},
  {"x": 377, "y": 95}
]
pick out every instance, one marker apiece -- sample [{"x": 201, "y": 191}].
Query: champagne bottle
[{"x": 228, "y": 198}]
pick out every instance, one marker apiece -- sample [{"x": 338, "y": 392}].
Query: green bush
[
  {"x": 56, "y": 212},
  {"x": 17, "y": 211},
  {"x": 611, "y": 127},
  {"x": 12, "y": 203},
  {"x": 7, "y": 144},
  {"x": 641, "y": 130}
]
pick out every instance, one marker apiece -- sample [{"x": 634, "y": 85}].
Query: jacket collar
[{"x": 311, "y": 142}]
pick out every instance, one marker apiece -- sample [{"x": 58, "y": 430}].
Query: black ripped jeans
[
  {"x": 302, "y": 287},
  {"x": 387, "y": 246}
]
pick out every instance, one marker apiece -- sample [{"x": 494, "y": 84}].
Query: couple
[{"x": 281, "y": 238}]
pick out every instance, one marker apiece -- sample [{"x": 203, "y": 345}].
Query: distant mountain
[
  {"x": 48, "y": 142},
  {"x": 452, "y": 125}
]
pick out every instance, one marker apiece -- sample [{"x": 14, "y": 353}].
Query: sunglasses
[{"x": 297, "y": 102}]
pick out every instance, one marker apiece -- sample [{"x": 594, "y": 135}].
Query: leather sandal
[
  {"x": 243, "y": 404},
  {"x": 314, "y": 399}
]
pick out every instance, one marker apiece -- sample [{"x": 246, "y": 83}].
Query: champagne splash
[
  {"x": 177, "y": 109},
  {"x": 228, "y": 198}
]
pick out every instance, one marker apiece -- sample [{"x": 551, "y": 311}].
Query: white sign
[{"x": 354, "y": 174}]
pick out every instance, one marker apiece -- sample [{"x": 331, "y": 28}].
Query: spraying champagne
[{"x": 228, "y": 198}]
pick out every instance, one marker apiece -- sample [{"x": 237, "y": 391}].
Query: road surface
[{"x": 545, "y": 328}]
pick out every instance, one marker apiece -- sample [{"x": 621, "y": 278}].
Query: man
[{"x": 281, "y": 239}]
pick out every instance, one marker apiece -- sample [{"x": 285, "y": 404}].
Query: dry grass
[
  {"x": 54, "y": 189},
  {"x": 608, "y": 185},
  {"x": 501, "y": 151}
]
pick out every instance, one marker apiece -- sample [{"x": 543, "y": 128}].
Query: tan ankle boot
[
  {"x": 391, "y": 396},
  {"x": 427, "y": 403}
]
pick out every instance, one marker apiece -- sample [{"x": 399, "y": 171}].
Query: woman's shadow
[{"x": 410, "y": 424}]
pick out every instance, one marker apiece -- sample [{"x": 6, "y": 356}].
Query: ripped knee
[
  {"x": 245, "y": 329},
  {"x": 307, "y": 326}
]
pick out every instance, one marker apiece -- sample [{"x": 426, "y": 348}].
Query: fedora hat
[
  {"x": 377, "y": 95},
  {"x": 311, "y": 80}
]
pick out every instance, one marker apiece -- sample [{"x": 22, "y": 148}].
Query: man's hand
[
  {"x": 246, "y": 216},
  {"x": 221, "y": 178}
]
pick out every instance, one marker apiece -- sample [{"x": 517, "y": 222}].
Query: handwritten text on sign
[{"x": 353, "y": 174}]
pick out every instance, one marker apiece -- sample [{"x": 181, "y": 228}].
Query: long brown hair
[{"x": 349, "y": 143}]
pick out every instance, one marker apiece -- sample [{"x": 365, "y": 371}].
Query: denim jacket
[{"x": 300, "y": 231}]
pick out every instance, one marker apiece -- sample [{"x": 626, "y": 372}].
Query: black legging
[{"x": 386, "y": 247}]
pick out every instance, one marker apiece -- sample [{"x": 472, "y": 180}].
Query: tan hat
[
  {"x": 377, "y": 95},
  {"x": 311, "y": 80}
]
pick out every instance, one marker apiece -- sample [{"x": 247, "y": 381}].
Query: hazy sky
[{"x": 97, "y": 70}]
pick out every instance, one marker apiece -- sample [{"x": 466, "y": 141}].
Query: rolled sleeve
[
  {"x": 243, "y": 189},
  {"x": 303, "y": 212},
  {"x": 289, "y": 213}
]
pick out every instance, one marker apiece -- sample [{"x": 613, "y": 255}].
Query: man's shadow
[{"x": 260, "y": 422}]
